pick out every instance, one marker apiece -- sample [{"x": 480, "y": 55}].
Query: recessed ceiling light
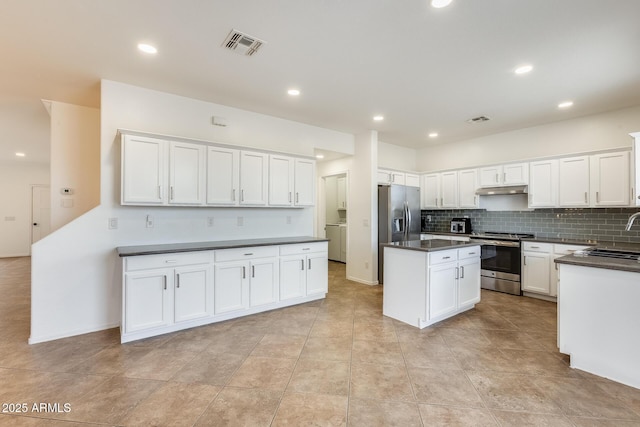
[
  {"x": 319, "y": 156},
  {"x": 293, "y": 92},
  {"x": 378, "y": 118},
  {"x": 147, "y": 48},
  {"x": 440, "y": 3},
  {"x": 523, "y": 69},
  {"x": 565, "y": 104},
  {"x": 20, "y": 154},
  {"x": 433, "y": 135}
]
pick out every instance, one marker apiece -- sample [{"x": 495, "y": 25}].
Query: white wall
[
  {"x": 589, "y": 133},
  {"x": 75, "y": 161},
  {"x": 395, "y": 157},
  {"x": 16, "y": 179},
  {"x": 76, "y": 286}
]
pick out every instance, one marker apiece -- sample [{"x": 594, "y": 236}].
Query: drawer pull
[
  {"x": 472, "y": 253},
  {"x": 306, "y": 249},
  {"x": 535, "y": 247},
  {"x": 250, "y": 253},
  {"x": 171, "y": 261},
  {"x": 446, "y": 257},
  {"x": 457, "y": 271}
]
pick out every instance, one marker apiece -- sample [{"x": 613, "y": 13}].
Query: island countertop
[
  {"x": 429, "y": 245},
  {"x": 125, "y": 251}
]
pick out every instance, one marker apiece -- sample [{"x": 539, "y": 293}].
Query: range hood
[{"x": 495, "y": 191}]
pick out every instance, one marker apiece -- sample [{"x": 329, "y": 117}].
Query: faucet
[{"x": 631, "y": 219}]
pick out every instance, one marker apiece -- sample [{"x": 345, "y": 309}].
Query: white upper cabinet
[
  {"x": 635, "y": 170},
  {"x": 510, "y": 174},
  {"x": 430, "y": 191},
  {"x": 341, "y": 200},
  {"x": 254, "y": 178},
  {"x": 412, "y": 180},
  {"x": 186, "y": 173},
  {"x": 280, "y": 180},
  {"x": 398, "y": 178},
  {"x": 543, "y": 184},
  {"x": 467, "y": 185},
  {"x": 610, "y": 179},
  {"x": 143, "y": 171},
  {"x": 449, "y": 190},
  {"x": 305, "y": 178},
  {"x": 573, "y": 181},
  {"x": 223, "y": 176},
  {"x": 384, "y": 176}
]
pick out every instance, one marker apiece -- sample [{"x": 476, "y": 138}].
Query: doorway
[
  {"x": 40, "y": 212},
  {"x": 335, "y": 216}
]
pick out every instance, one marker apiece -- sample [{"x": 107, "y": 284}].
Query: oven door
[{"x": 500, "y": 256}]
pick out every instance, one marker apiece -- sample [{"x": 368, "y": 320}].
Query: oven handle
[{"x": 496, "y": 242}]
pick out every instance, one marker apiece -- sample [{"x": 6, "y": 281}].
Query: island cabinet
[
  {"x": 424, "y": 287},
  {"x": 170, "y": 291}
]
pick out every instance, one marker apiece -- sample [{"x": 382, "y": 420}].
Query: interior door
[{"x": 40, "y": 212}]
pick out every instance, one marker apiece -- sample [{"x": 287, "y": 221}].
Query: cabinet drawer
[
  {"x": 470, "y": 252},
  {"x": 567, "y": 249},
  {"x": 303, "y": 248},
  {"x": 145, "y": 262},
  {"x": 246, "y": 253},
  {"x": 537, "y": 247},
  {"x": 441, "y": 257}
]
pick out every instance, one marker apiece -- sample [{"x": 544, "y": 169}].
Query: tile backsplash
[{"x": 605, "y": 224}]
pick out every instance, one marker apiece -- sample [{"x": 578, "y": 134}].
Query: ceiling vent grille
[
  {"x": 241, "y": 43},
  {"x": 478, "y": 119}
]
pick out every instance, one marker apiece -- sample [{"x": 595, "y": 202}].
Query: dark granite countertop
[
  {"x": 600, "y": 262},
  {"x": 125, "y": 251},
  {"x": 429, "y": 245},
  {"x": 446, "y": 233}
]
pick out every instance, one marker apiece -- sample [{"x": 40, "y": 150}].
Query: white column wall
[{"x": 76, "y": 285}]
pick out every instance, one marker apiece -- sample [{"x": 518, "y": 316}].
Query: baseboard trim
[
  {"x": 37, "y": 340},
  {"x": 365, "y": 282}
]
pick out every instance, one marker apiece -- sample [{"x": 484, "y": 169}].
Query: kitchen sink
[{"x": 610, "y": 253}]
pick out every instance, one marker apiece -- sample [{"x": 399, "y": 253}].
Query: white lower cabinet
[
  {"x": 169, "y": 292},
  {"x": 539, "y": 271},
  {"x": 162, "y": 291},
  {"x": 303, "y": 270}
]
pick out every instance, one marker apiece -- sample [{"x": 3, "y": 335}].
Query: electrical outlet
[
  {"x": 210, "y": 221},
  {"x": 428, "y": 218},
  {"x": 149, "y": 221},
  {"x": 288, "y": 219},
  {"x": 240, "y": 221},
  {"x": 113, "y": 223}
]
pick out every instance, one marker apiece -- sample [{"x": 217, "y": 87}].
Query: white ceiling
[{"x": 424, "y": 69}]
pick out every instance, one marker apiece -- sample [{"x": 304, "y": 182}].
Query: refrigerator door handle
[{"x": 409, "y": 221}]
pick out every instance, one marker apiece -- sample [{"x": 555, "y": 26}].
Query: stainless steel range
[{"x": 500, "y": 261}]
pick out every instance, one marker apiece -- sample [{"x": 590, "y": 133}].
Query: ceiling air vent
[
  {"x": 478, "y": 119},
  {"x": 241, "y": 43}
]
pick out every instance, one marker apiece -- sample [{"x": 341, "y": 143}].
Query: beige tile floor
[{"x": 332, "y": 362}]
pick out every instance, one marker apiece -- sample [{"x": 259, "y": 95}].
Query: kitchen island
[
  {"x": 598, "y": 316},
  {"x": 426, "y": 281}
]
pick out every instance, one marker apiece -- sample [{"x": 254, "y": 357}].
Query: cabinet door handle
[
  {"x": 497, "y": 178},
  {"x": 585, "y": 197},
  {"x": 457, "y": 271},
  {"x": 504, "y": 177},
  {"x": 160, "y": 192},
  {"x": 462, "y": 272},
  {"x": 244, "y": 272},
  {"x": 234, "y": 195},
  {"x": 289, "y": 196},
  {"x": 441, "y": 201},
  {"x": 436, "y": 202},
  {"x": 525, "y": 260},
  {"x": 301, "y": 264},
  {"x": 297, "y": 197},
  {"x": 242, "y": 195},
  {"x": 309, "y": 267},
  {"x": 177, "y": 280},
  {"x": 597, "y": 197},
  {"x": 253, "y": 271},
  {"x": 171, "y": 188},
  {"x": 164, "y": 280}
]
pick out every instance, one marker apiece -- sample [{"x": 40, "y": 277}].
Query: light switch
[
  {"x": 210, "y": 221},
  {"x": 113, "y": 223},
  {"x": 149, "y": 221}
]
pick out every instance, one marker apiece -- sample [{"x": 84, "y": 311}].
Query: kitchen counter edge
[
  {"x": 600, "y": 262},
  {"x": 125, "y": 251},
  {"x": 429, "y": 245}
]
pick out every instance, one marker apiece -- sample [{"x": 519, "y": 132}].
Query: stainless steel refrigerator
[{"x": 398, "y": 217}]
